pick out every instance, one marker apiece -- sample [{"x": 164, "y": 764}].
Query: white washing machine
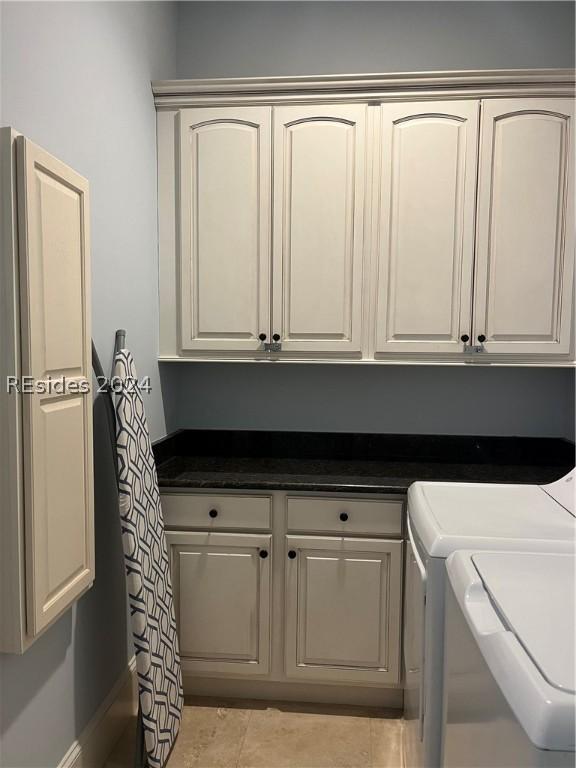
[
  {"x": 444, "y": 518},
  {"x": 509, "y": 672}
]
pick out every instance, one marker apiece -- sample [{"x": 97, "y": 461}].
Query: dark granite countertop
[{"x": 346, "y": 462}]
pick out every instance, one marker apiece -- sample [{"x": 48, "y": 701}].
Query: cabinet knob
[
  {"x": 464, "y": 338},
  {"x": 213, "y": 513},
  {"x": 263, "y": 554},
  {"x": 481, "y": 338},
  {"x": 343, "y": 516},
  {"x": 276, "y": 337},
  {"x": 262, "y": 337},
  {"x": 292, "y": 554}
]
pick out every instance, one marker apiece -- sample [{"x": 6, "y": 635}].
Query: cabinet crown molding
[{"x": 365, "y": 87}]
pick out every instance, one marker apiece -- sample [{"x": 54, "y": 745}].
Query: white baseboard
[{"x": 107, "y": 725}]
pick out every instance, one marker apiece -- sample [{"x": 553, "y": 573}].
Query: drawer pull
[
  {"x": 292, "y": 554},
  {"x": 213, "y": 513},
  {"x": 343, "y": 516},
  {"x": 263, "y": 554}
]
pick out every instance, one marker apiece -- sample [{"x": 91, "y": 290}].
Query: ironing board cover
[{"x": 147, "y": 571}]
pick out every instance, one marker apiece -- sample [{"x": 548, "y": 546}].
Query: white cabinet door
[
  {"x": 224, "y": 214},
  {"x": 222, "y": 595},
  {"x": 53, "y": 220},
  {"x": 343, "y": 609},
  {"x": 319, "y": 180},
  {"x": 525, "y": 242},
  {"x": 426, "y": 227}
]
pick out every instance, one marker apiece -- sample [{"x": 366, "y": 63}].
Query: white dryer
[
  {"x": 444, "y": 518},
  {"x": 509, "y": 672}
]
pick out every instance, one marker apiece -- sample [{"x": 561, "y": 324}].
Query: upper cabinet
[
  {"x": 224, "y": 227},
  {"x": 47, "y": 541},
  {"x": 425, "y": 248},
  {"x": 335, "y": 223},
  {"x": 319, "y": 186},
  {"x": 525, "y": 244}
]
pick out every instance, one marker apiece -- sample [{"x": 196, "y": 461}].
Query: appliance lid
[
  {"x": 519, "y": 608},
  {"x": 451, "y": 516},
  {"x": 563, "y": 491},
  {"x": 535, "y": 596}
]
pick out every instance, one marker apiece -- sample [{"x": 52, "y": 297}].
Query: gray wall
[
  {"x": 279, "y": 38},
  {"x": 76, "y": 79},
  {"x": 237, "y": 39},
  {"x": 376, "y": 398}
]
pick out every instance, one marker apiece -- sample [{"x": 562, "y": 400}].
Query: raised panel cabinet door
[
  {"x": 53, "y": 221},
  {"x": 425, "y": 244},
  {"x": 525, "y": 241},
  {"x": 319, "y": 189},
  {"x": 222, "y": 598},
  {"x": 224, "y": 210},
  {"x": 343, "y": 609}
]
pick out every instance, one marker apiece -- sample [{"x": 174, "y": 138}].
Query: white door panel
[
  {"x": 53, "y": 217},
  {"x": 343, "y": 609},
  {"x": 426, "y": 238},
  {"x": 214, "y": 580},
  {"x": 525, "y": 245},
  {"x": 224, "y": 227},
  {"x": 222, "y": 596},
  {"x": 319, "y": 180}
]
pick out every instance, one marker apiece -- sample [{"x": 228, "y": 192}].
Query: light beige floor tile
[
  {"x": 210, "y": 737},
  {"x": 386, "y": 742},
  {"x": 122, "y": 756},
  {"x": 260, "y": 735},
  {"x": 288, "y": 739}
]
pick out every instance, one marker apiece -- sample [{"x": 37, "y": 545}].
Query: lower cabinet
[
  {"x": 309, "y": 592},
  {"x": 221, "y": 584},
  {"x": 343, "y": 602}
]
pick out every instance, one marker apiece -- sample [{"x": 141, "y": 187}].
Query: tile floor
[{"x": 249, "y": 734}]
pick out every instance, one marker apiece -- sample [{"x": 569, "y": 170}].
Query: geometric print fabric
[{"x": 147, "y": 570}]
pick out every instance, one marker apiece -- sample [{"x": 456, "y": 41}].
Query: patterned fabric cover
[{"x": 148, "y": 573}]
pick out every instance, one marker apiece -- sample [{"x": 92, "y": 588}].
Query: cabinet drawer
[
  {"x": 208, "y": 511},
  {"x": 345, "y": 516}
]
